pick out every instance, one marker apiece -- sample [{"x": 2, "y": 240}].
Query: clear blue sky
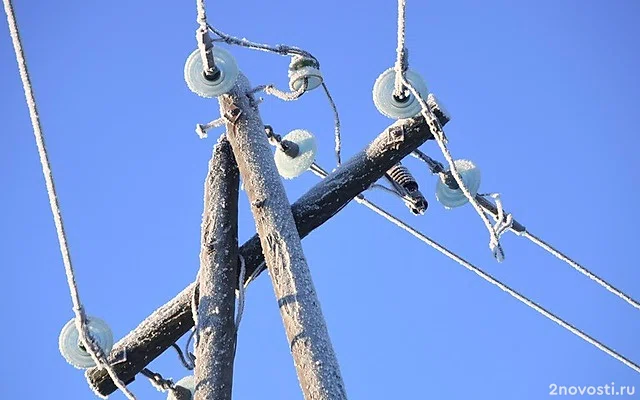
[{"x": 544, "y": 97}]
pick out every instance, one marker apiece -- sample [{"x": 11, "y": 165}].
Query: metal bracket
[
  {"x": 396, "y": 135},
  {"x": 120, "y": 357},
  {"x": 232, "y": 114}
]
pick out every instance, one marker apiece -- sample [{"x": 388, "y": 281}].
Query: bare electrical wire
[
  {"x": 96, "y": 353},
  {"x": 487, "y": 277}
]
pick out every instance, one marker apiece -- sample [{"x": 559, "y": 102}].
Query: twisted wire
[
  {"x": 89, "y": 343},
  {"x": 438, "y": 134}
]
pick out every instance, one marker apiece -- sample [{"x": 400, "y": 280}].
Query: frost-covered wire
[
  {"x": 509, "y": 223},
  {"x": 502, "y": 222},
  {"x": 186, "y": 361},
  {"x": 402, "y": 62},
  {"x": 486, "y": 276},
  {"x": 435, "y": 166},
  {"x": 195, "y": 300},
  {"x": 158, "y": 382},
  {"x": 436, "y": 130},
  {"x": 261, "y": 267},
  {"x": 438, "y": 134},
  {"x": 189, "y": 354},
  {"x": 205, "y": 44},
  {"x": 336, "y": 124},
  {"x": 283, "y": 50},
  {"x": 282, "y": 95},
  {"x": 241, "y": 291},
  {"x": 92, "y": 348},
  {"x": 546, "y": 246}
]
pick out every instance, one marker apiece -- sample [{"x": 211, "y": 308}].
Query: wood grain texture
[
  {"x": 218, "y": 278},
  {"x": 171, "y": 321},
  {"x": 313, "y": 355}
]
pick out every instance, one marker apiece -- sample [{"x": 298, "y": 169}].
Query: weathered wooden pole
[
  {"x": 172, "y": 320},
  {"x": 218, "y": 278},
  {"x": 313, "y": 355}
]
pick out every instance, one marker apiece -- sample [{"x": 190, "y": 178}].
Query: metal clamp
[
  {"x": 396, "y": 135},
  {"x": 233, "y": 114}
]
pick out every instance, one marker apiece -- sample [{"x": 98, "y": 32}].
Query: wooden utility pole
[
  {"x": 172, "y": 320},
  {"x": 217, "y": 281},
  {"x": 313, "y": 355}
]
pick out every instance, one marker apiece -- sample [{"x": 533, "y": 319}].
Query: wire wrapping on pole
[
  {"x": 80, "y": 317},
  {"x": 487, "y": 277},
  {"x": 285, "y": 50}
]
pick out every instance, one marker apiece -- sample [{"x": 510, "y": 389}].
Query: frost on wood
[
  {"x": 314, "y": 358},
  {"x": 313, "y": 209},
  {"x": 146, "y": 342},
  {"x": 218, "y": 278}
]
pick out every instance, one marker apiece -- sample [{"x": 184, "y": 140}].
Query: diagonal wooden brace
[{"x": 172, "y": 320}]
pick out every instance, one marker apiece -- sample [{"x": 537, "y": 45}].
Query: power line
[
  {"x": 520, "y": 230},
  {"x": 87, "y": 340},
  {"x": 438, "y": 132},
  {"x": 546, "y": 246},
  {"x": 487, "y": 277}
]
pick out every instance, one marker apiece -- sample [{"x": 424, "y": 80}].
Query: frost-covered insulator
[
  {"x": 302, "y": 68},
  {"x": 188, "y": 383},
  {"x": 72, "y": 349},
  {"x": 404, "y": 182},
  {"x": 450, "y": 197},
  {"x": 438, "y": 109},
  {"x": 219, "y": 84},
  {"x": 292, "y": 163},
  {"x": 390, "y": 105}
]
